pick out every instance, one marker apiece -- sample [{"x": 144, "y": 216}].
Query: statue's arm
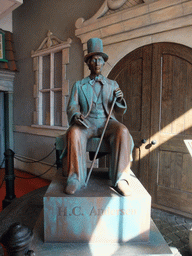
[
  {"x": 73, "y": 107},
  {"x": 120, "y": 105}
]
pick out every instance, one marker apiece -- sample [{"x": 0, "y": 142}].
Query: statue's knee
[
  {"x": 123, "y": 131},
  {"x": 73, "y": 132}
]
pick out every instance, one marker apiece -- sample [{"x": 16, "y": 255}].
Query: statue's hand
[
  {"x": 118, "y": 94},
  {"x": 78, "y": 118}
]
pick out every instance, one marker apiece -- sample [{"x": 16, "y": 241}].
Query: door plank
[
  {"x": 166, "y": 97},
  {"x": 188, "y": 100},
  {"x": 179, "y": 73},
  {"x": 187, "y": 173},
  {"x": 173, "y": 143}
]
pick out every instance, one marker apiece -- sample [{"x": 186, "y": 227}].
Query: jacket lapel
[
  {"x": 106, "y": 93},
  {"x": 88, "y": 92}
]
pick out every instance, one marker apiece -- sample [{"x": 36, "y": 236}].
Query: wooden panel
[
  {"x": 188, "y": 100},
  {"x": 186, "y": 181},
  {"x": 130, "y": 81},
  {"x": 170, "y": 170},
  {"x": 166, "y": 97},
  {"x": 173, "y": 143},
  {"x": 135, "y": 165},
  {"x": 188, "y": 118},
  {"x": 133, "y": 74},
  {"x": 173, "y": 104},
  {"x": 155, "y": 118},
  {"x": 134, "y": 98},
  {"x": 179, "y": 94},
  {"x": 172, "y": 199}
]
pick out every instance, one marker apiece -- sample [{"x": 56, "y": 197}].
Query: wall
[
  {"x": 6, "y": 23},
  {"x": 31, "y": 21}
]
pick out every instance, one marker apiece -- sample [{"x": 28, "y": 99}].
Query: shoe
[
  {"x": 72, "y": 186},
  {"x": 123, "y": 188}
]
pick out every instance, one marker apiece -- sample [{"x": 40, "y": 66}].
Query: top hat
[{"x": 95, "y": 47}]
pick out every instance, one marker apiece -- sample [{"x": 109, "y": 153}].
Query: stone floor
[{"x": 175, "y": 230}]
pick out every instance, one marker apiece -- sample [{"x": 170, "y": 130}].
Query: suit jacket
[{"x": 81, "y": 98}]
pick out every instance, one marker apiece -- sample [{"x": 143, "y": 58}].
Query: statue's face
[{"x": 96, "y": 64}]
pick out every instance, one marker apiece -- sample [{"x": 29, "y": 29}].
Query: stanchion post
[
  {"x": 9, "y": 177},
  {"x": 17, "y": 240}
]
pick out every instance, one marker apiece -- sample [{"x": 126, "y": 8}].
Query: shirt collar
[{"x": 99, "y": 78}]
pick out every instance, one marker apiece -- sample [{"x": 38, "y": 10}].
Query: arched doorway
[{"x": 157, "y": 83}]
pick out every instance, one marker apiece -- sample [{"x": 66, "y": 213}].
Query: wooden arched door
[{"x": 157, "y": 85}]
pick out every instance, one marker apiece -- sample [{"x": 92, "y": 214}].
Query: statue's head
[
  {"x": 95, "y": 64},
  {"x": 95, "y": 57}
]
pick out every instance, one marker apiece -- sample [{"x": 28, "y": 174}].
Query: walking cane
[{"x": 101, "y": 139}]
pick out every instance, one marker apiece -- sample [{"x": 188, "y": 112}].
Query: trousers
[{"x": 120, "y": 142}]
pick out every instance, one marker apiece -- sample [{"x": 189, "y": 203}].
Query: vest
[{"x": 97, "y": 109}]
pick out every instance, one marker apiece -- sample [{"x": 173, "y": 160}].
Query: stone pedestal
[
  {"x": 154, "y": 247},
  {"x": 97, "y": 214}
]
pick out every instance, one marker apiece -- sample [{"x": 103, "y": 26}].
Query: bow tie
[{"x": 97, "y": 79}]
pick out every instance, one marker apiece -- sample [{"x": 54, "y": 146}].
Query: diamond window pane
[
  {"x": 46, "y": 108},
  {"x": 58, "y": 108},
  {"x": 58, "y": 69},
  {"x": 46, "y": 72}
]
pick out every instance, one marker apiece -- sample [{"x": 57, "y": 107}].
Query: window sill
[{"x": 41, "y": 130}]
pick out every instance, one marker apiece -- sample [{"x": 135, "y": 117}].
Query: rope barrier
[
  {"x": 34, "y": 161},
  {"x": 31, "y": 162},
  {"x": 2, "y": 163},
  {"x": 2, "y": 182},
  {"x": 4, "y": 175},
  {"x": 36, "y": 176}
]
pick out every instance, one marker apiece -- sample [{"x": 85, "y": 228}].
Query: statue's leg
[
  {"x": 121, "y": 144},
  {"x": 76, "y": 158}
]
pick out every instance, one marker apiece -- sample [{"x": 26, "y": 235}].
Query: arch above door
[{"x": 128, "y": 28}]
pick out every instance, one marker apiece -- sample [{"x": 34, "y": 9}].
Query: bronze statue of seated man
[{"x": 88, "y": 108}]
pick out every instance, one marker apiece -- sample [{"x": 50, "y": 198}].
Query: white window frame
[
  {"x": 49, "y": 47},
  {"x": 1, "y": 46}
]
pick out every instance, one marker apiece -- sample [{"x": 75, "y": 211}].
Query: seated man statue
[{"x": 88, "y": 108}]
